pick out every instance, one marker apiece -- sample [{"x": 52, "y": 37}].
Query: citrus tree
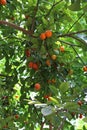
[{"x": 43, "y": 64}]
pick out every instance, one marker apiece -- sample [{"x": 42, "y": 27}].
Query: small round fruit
[
  {"x": 48, "y": 33},
  {"x": 80, "y": 116},
  {"x": 42, "y": 36},
  {"x": 3, "y": 2},
  {"x": 16, "y": 96},
  {"x": 80, "y": 103},
  {"x": 47, "y": 97},
  {"x": 30, "y": 64},
  {"x": 53, "y": 81},
  {"x": 53, "y": 57},
  {"x": 37, "y": 86},
  {"x": 35, "y": 66},
  {"x": 85, "y": 68},
  {"x": 62, "y": 49},
  {"x": 27, "y": 52},
  {"x": 26, "y": 16},
  {"x": 48, "y": 62},
  {"x": 16, "y": 116}
]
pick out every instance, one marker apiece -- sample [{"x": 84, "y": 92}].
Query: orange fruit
[
  {"x": 80, "y": 116},
  {"x": 53, "y": 57},
  {"x": 48, "y": 33},
  {"x": 62, "y": 49},
  {"x": 16, "y": 116},
  {"x": 80, "y": 103},
  {"x": 26, "y": 16},
  {"x": 42, "y": 36},
  {"x": 3, "y": 2},
  {"x": 35, "y": 66},
  {"x": 37, "y": 86},
  {"x": 30, "y": 65},
  {"x": 85, "y": 68},
  {"x": 47, "y": 97},
  {"x": 27, "y": 52},
  {"x": 53, "y": 81},
  {"x": 48, "y": 81},
  {"x": 48, "y": 62},
  {"x": 16, "y": 96}
]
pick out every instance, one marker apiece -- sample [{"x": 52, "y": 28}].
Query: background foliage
[{"x": 63, "y": 82}]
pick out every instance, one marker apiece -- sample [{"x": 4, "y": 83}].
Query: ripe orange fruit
[
  {"x": 26, "y": 16},
  {"x": 16, "y": 116},
  {"x": 85, "y": 68},
  {"x": 53, "y": 57},
  {"x": 35, "y": 66},
  {"x": 42, "y": 36},
  {"x": 30, "y": 64},
  {"x": 47, "y": 97},
  {"x": 80, "y": 103},
  {"x": 53, "y": 81},
  {"x": 80, "y": 116},
  {"x": 49, "y": 81},
  {"x": 37, "y": 86},
  {"x": 3, "y": 2},
  {"x": 16, "y": 96},
  {"x": 48, "y": 33},
  {"x": 27, "y": 52},
  {"x": 62, "y": 49},
  {"x": 48, "y": 62}
]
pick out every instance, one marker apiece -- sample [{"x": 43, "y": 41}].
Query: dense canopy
[{"x": 43, "y": 64}]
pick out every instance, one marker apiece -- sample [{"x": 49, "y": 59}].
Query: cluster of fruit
[{"x": 46, "y": 34}]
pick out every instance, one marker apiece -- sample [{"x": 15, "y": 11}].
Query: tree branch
[
  {"x": 33, "y": 20},
  {"x": 2, "y": 75},
  {"x": 27, "y": 32},
  {"x": 72, "y": 33},
  {"x": 75, "y": 22},
  {"x": 50, "y": 126},
  {"x": 62, "y": 123},
  {"x": 78, "y": 56},
  {"x": 68, "y": 43},
  {"x": 42, "y": 124},
  {"x": 72, "y": 45}
]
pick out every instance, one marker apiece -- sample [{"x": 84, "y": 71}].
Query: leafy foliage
[{"x": 26, "y": 59}]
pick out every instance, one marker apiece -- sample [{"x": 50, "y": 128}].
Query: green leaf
[
  {"x": 53, "y": 89},
  {"x": 71, "y": 106},
  {"x": 75, "y": 6},
  {"x": 85, "y": 119},
  {"x": 64, "y": 87}
]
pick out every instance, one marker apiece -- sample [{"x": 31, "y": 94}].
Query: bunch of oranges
[
  {"x": 46, "y": 34},
  {"x": 33, "y": 65}
]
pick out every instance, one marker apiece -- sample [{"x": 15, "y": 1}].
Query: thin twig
[
  {"x": 53, "y": 7},
  {"x": 33, "y": 20},
  {"x": 75, "y": 22},
  {"x": 72, "y": 33},
  {"x": 2, "y": 75},
  {"x": 42, "y": 124},
  {"x": 78, "y": 56},
  {"x": 62, "y": 124},
  {"x": 50, "y": 126},
  {"x": 68, "y": 43},
  {"x": 74, "y": 50}
]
